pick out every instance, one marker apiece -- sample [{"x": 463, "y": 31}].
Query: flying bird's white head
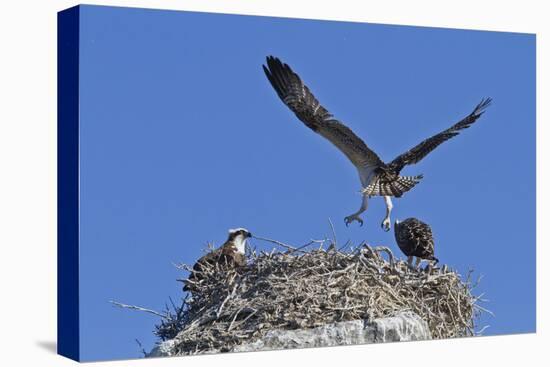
[{"x": 238, "y": 236}]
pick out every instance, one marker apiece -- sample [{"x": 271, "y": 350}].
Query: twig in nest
[
  {"x": 142, "y": 350},
  {"x": 348, "y": 242},
  {"x": 234, "y": 318},
  {"x": 387, "y": 251},
  {"x": 333, "y": 232},
  {"x": 137, "y": 308},
  {"x": 298, "y": 249},
  {"x": 218, "y": 313},
  {"x": 275, "y": 242},
  {"x": 290, "y": 248}
]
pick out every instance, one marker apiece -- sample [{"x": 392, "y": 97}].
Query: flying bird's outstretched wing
[
  {"x": 296, "y": 95},
  {"x": 421, "y": 150}
]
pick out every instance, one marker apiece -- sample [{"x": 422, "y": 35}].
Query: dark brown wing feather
[
  {"x": 421, "y": 150},
  {"x": 296, "y": 95}
]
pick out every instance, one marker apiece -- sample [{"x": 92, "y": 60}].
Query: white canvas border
[{"x": 28, "y": 185}]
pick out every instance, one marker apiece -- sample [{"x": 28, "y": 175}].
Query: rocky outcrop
[
  {"x": 405, "y": 326},
  {"x": 163, "y": 349}
]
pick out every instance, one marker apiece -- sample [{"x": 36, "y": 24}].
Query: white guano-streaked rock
[{"x": 405, "y": 326}]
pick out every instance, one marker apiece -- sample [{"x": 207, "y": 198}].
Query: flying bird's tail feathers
[{"x": 394, "y": 188}]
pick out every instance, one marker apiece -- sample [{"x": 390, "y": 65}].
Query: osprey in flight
[
  {"x": 415, "y": 238},
  {"x": 377, "y": 178},
  {"x": 230, "y": 254}
]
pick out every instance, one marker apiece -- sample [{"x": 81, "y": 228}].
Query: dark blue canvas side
[{"x": 67, "y": 183}]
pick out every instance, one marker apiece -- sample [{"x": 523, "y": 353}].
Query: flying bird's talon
[
  {"x": 386, "y": 225},
  {"x": 351, "y": 218}
]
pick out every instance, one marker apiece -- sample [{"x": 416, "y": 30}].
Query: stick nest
[{"x": 295, "y": 289}]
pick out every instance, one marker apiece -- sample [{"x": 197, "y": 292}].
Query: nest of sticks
[{"x": 295, "y": 288}]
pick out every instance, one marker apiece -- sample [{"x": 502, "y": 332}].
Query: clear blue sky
[{"x": 182, "y": 138}]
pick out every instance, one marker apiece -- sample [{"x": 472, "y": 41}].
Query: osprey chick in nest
[
  {"x": 415, "y": 238},
  {"x": 230, "y": 254},
  {"x": 377, "y": 178}
]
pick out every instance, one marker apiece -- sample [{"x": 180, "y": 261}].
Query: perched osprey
[
  {"x": 377, "y": 178},
  {"x": 230, "y": 254},
  {"x": 415, "y": 238}
]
